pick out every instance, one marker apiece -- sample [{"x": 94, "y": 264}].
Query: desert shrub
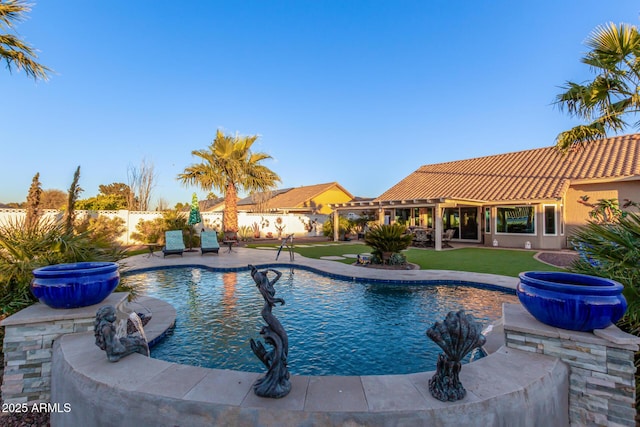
[
  {"x": 151, "y": 231},
  {"x": 345, "y": 225},
  {"x": 387, "y": 239},
  {"x": 612, "y": 250},
  {"x": 245, "y": 233},
  {"x": 103, "y": 228}
]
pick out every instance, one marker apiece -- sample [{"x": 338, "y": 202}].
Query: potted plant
[{"x": 256, "y": 230}]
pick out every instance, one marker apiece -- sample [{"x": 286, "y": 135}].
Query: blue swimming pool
[{"x": 335, "y": 327}]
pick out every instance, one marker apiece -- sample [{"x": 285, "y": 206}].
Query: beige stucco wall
[{"x": 577, "y": 214}]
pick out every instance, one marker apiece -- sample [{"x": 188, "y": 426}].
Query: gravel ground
[
  {"x": 26, "y": 419},
  {"x": 559, "y": 259}
]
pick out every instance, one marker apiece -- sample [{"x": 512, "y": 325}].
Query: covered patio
[{"x": 434, "y": 216}]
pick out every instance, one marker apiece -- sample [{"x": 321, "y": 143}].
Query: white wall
[{"x": 292, "y": 223}]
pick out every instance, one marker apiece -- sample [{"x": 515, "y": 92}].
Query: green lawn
[{"x": 480, "y": 260}]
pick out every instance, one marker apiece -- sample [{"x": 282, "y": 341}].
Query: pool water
[{"x": 335, "y": 327}]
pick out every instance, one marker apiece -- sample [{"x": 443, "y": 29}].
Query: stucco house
[
  {"x": 309, "y": 199},
  {"x": 523, "y": 199}
]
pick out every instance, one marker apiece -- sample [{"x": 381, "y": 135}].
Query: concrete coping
[
  {"x": 39, "y": 312},
  {"x": 517, "y": 319},
  {"x": 509, "y": 387}
]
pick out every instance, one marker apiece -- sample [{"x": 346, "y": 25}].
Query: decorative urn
[
  {"x": 74, "y": 285},
  {"x": 571, "y": 301}
]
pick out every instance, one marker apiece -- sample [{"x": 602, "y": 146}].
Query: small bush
[{"x": 387, "y": 240}]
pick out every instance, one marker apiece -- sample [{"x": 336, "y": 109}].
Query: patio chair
[
  {"x": 421, "y": 238},
  {"x": 446, "y": 237},
  {"x": 174, "y": 243},
  {"x": 209, "y": 242}
]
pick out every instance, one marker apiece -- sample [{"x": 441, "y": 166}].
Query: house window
[
  {"x": 550, "y": 220},
  {"x": 487, "y": 220},
  {"x": 515, "y": 219}
]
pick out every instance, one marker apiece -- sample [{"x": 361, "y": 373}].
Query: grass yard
[{"x": 505, "y": 262}]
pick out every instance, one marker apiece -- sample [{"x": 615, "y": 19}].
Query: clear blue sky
[{"x": 361, "y": 92}]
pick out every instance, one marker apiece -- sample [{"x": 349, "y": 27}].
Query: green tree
[
  {"x": 13, "y": 51},
  {"x": 229, "y": 166},
  {"x": 74, "y": 192},
  {"x": 613, "y": 95},
  {"x": 53, "y": 199},
  {"x": 34, "y": 210},
  {"x": 110, "y": 197}
]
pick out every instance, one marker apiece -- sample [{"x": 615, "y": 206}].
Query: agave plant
[{"x": 386, "y": 240}]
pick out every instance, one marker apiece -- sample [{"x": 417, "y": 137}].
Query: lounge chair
[
  {"x": 174, "y": 243},
  {"x": 209, "y": 242},
  {"x": 447, "y": 236}
]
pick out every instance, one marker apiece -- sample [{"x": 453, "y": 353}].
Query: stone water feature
[{"x": 114, "y": 341}]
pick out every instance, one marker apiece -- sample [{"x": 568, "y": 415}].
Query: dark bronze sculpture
[
  {"x": 109, "y": 340},
  {"x": 275, "y": 383},
  {"x": 457, "y": 336}
]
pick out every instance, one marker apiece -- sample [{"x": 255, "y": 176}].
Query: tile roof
[
  {"x": 297, "y": 197},
  {"x": 538, "y": 174}
]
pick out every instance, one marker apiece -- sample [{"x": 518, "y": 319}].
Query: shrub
[
  {"x": 344, "y": 226},
  {"x": 149, "y": 231},
  {"x": 387, "y": 240},
  {"x": 614, "y": 252},
  {"x": 103, "y": 228},
  {"x": 245, "y": 233}
]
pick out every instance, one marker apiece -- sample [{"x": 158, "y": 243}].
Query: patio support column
[
  {"x": 437, "y": 228},
  {"x": 336, "y": 225}
]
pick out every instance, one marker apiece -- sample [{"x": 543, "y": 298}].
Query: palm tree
[
  {"x": 13, "y": 50},
  {"x": 229, "y": 166},
  {"x": 613, "y": 93}
]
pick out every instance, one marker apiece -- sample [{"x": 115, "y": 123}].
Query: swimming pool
[{"x": 335, "y": 327}]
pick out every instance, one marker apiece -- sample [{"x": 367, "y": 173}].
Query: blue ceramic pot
[
  {"x": 571, "y": 301},
  {"x": 74, "y": 285}
]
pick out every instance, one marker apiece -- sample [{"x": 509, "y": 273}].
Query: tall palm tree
[
  {"x": 229, "y": 166},
  {"x": 14, "y": 51},
  {"x": 613, "y": 93}
]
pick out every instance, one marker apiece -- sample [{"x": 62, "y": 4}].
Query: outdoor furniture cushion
[
  {"x": 209, "y": 242},
  {"x": 174, "y": 243}
]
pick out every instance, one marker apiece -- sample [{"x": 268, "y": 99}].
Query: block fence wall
[{"x": 298, "y": 224}]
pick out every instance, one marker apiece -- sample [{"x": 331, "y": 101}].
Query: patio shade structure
[{"x": 194, "y": 218}]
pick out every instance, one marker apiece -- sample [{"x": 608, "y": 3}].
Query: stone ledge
[
  {"x": 38, "y": 312},
  {"x": 516, "y": 318},
  {"x": 508, "y": 387}
]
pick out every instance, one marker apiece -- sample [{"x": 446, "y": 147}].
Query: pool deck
[{"x": 241, "y": 257}]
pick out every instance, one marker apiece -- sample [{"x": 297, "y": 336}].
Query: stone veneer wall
[
  {"x": 602, "y": 370},
  {"x": 28, "y": 343}
]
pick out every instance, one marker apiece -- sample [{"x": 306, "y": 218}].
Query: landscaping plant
[
  {"x": 612, "y": 250},
  {"x": 387, "y": 240}
]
